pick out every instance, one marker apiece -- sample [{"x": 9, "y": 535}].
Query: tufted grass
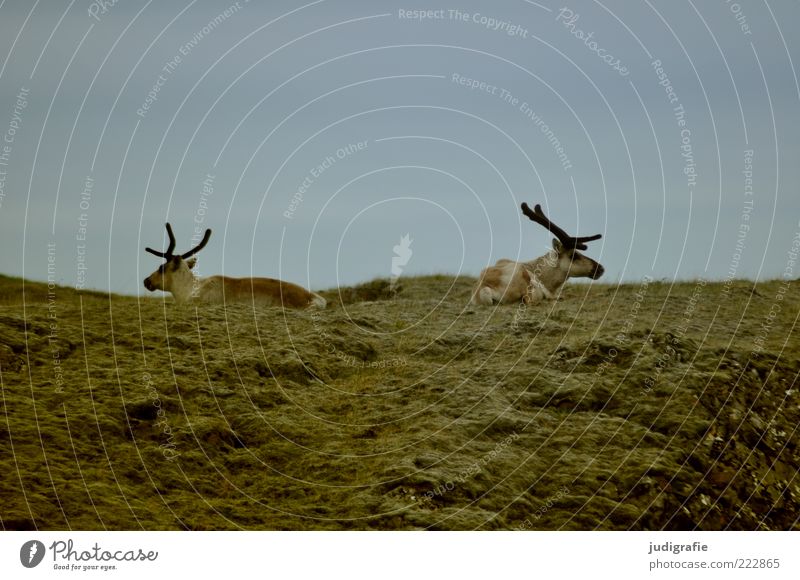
[{"x": 406, "y": 409}]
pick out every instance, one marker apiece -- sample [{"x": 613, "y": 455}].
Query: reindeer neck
[
  {"x": 185, "y": 292},
  {"x": 547, "y": 269}
]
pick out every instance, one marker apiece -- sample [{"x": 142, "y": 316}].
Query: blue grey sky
[{"x": 312, "y": 136}]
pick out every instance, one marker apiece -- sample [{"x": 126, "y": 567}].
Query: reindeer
[
  {"x": 509, "y": 281},
  {"x": 176, "y": 276}
]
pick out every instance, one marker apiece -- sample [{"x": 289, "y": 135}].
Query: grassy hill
[{"x": 641, "y": 406}]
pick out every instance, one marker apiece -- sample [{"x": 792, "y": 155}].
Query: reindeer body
[
  {"x": 176, "y": 277},
  {"x": 509, "y": 281},
  {"x": 539, "y": 279},
  {"x": 259, "y": 291}
]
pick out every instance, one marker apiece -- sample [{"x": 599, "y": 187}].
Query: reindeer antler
[
  {"x": 569, "y": 242},
  {"x": 199, "y": 246},
  {"x": 168, "y": 255}
]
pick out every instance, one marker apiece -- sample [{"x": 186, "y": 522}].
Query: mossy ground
[{"x": 657, "y": 406}]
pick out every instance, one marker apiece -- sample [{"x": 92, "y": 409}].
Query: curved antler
[
  {"x": 569, "y": 242},
  {"x": 168, "y": 254},
  {"x": 199, "y": 246}
]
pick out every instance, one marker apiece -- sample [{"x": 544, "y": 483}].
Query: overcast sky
[{"x": 312, "y": 137}]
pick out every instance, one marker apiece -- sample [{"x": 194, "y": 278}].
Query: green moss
[{"x": 400, "y": 408}]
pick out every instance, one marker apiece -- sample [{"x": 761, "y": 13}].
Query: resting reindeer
[
  {"x": 175, "y": 276},
  {"x": 508, "y": 281}
]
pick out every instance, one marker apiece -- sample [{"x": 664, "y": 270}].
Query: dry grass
[{"x": 401, "y": 410}]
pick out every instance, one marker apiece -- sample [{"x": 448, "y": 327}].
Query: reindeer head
[
  {"x": 566, "y": 247},
  {"x": 175, "y": 275}
]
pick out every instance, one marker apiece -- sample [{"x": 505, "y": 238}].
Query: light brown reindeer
[
  {"x": 509, "y": 281},
  {"x": 176, "y": 276}
]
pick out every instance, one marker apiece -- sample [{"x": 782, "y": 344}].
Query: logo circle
[{"x": 31, "y": 553}]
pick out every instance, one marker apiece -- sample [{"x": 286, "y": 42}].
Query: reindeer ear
[
  {"x": 191, "y": 263},
  {"x": 558, "y": 246}
]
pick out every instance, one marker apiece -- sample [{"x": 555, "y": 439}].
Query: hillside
[{"x": 640, "y": 406}]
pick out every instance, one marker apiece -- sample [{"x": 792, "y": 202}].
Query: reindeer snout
[
  {"x": 598, "y": 272},
  {"x": 148, "y": 284}
]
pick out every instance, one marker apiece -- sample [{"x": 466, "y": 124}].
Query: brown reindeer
[
  {"x": 176, "y": 276},
  {"x": 509, "y": 281}
]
